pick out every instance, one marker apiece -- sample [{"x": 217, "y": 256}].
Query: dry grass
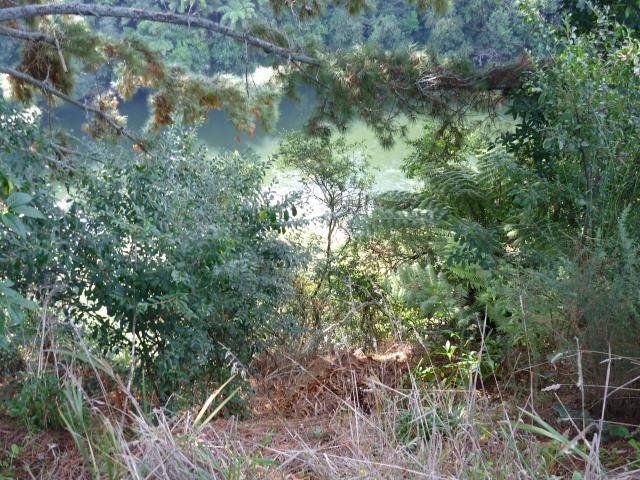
[
  {"x": 413, "y": 433},
  {"x": 333, "y": 417}
]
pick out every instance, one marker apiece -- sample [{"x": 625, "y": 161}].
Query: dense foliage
[
  {"x": 537, "y": 228},
  {"x": 181, "y": 267},
  {"x": 178, "y": 250},
  {"x": 489, "y": 30}
]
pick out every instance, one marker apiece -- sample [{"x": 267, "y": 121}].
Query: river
[{"x": 218, "y": 134}]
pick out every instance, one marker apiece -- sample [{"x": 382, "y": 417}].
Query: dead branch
[{"x": 503, "y": 77}]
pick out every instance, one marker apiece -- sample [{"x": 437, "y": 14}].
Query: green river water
[{"x": 219, "y": 135}]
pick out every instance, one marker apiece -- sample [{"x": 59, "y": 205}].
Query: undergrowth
[{"x": 417, "y": 429}]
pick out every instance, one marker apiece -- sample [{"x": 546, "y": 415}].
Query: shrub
[
  {"x": 37, "y": 402},
  {"x": 176, "y": 256}
]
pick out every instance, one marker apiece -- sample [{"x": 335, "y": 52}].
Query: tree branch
[
  {"x": 92, "y": 10},
  {"x": 501, "y": 77},
  {"x": 26, "y": 35},
  {"x": 48, "y": 88}
]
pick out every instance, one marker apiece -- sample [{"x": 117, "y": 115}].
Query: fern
[{"x": 468, "y": 225}]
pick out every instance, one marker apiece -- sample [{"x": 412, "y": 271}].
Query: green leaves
[
  {"x": 237, "y": 13},
  {"x": 18, "y": 199},
  {"x": 199, "y": 423},
  {"x": 564, "y": 444},
  {"x": 335, "y": 173},
  {"x": 13, "y": 307},
  {"x": 277, "y": 219},
  {"x": 17, "y": 207},
  {"x": 29, "y": 212},
  {"x": 14, "y": 224},
  {"x": 6, "y": 185}
]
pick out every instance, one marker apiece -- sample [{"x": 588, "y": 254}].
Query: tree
[
  {"x": 378, "y": 87},
  {"x": 54, "y": 47},
  {"x": 334, "y": 173},
  {"x": 335, "y": 176},
  {"x": 584, "y": 15},
  {"x": 237, "y": 12}
]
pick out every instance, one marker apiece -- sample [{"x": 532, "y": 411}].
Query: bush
[
  {"x": 183, "y": 252},
  {"x": 176, "y": 254},
  {"x": 36, "y": 404}
]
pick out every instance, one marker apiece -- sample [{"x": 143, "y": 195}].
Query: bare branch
[
  {"x": 51, "y": 90},
  {"x": 92, "y": 10},
  {"x": 60, "y": 55},
  {"x": 26, "y": 35}
]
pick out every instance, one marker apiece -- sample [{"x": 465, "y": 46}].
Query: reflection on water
[{"x": 219, "y": 135}]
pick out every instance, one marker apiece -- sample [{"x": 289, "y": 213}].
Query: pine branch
[
  {"x": 92, "y": 10},
  {"x": 26, "y": 35},
  {"x": 48, "y": 88},
  {"x": 501, "y": 77}
]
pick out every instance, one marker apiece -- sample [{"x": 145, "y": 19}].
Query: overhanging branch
[
  {"x": 51, "y": 90},
  {"x": 501, "y": 77},
  {"x": 26, "y": 35},
  {"x": 92, "y": 10}
]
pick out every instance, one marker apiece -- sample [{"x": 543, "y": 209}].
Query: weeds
[
  {"x": 37, "y": 401},
  {"x": 417, "y": 432},
  {"x": 412, "y": 429}
]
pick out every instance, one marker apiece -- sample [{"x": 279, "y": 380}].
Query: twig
[
  {"x": 60, "y": 55},
  {"x": 26, "y": 35},
  {"x": 48, "y": 88}
]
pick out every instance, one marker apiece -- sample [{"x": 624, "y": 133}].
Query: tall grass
[
  {"x": 415, "y": 430},
  {"x": 411, "y": 432}
]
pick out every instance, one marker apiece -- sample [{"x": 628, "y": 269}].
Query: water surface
[{"x": 219, "y": 135}]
